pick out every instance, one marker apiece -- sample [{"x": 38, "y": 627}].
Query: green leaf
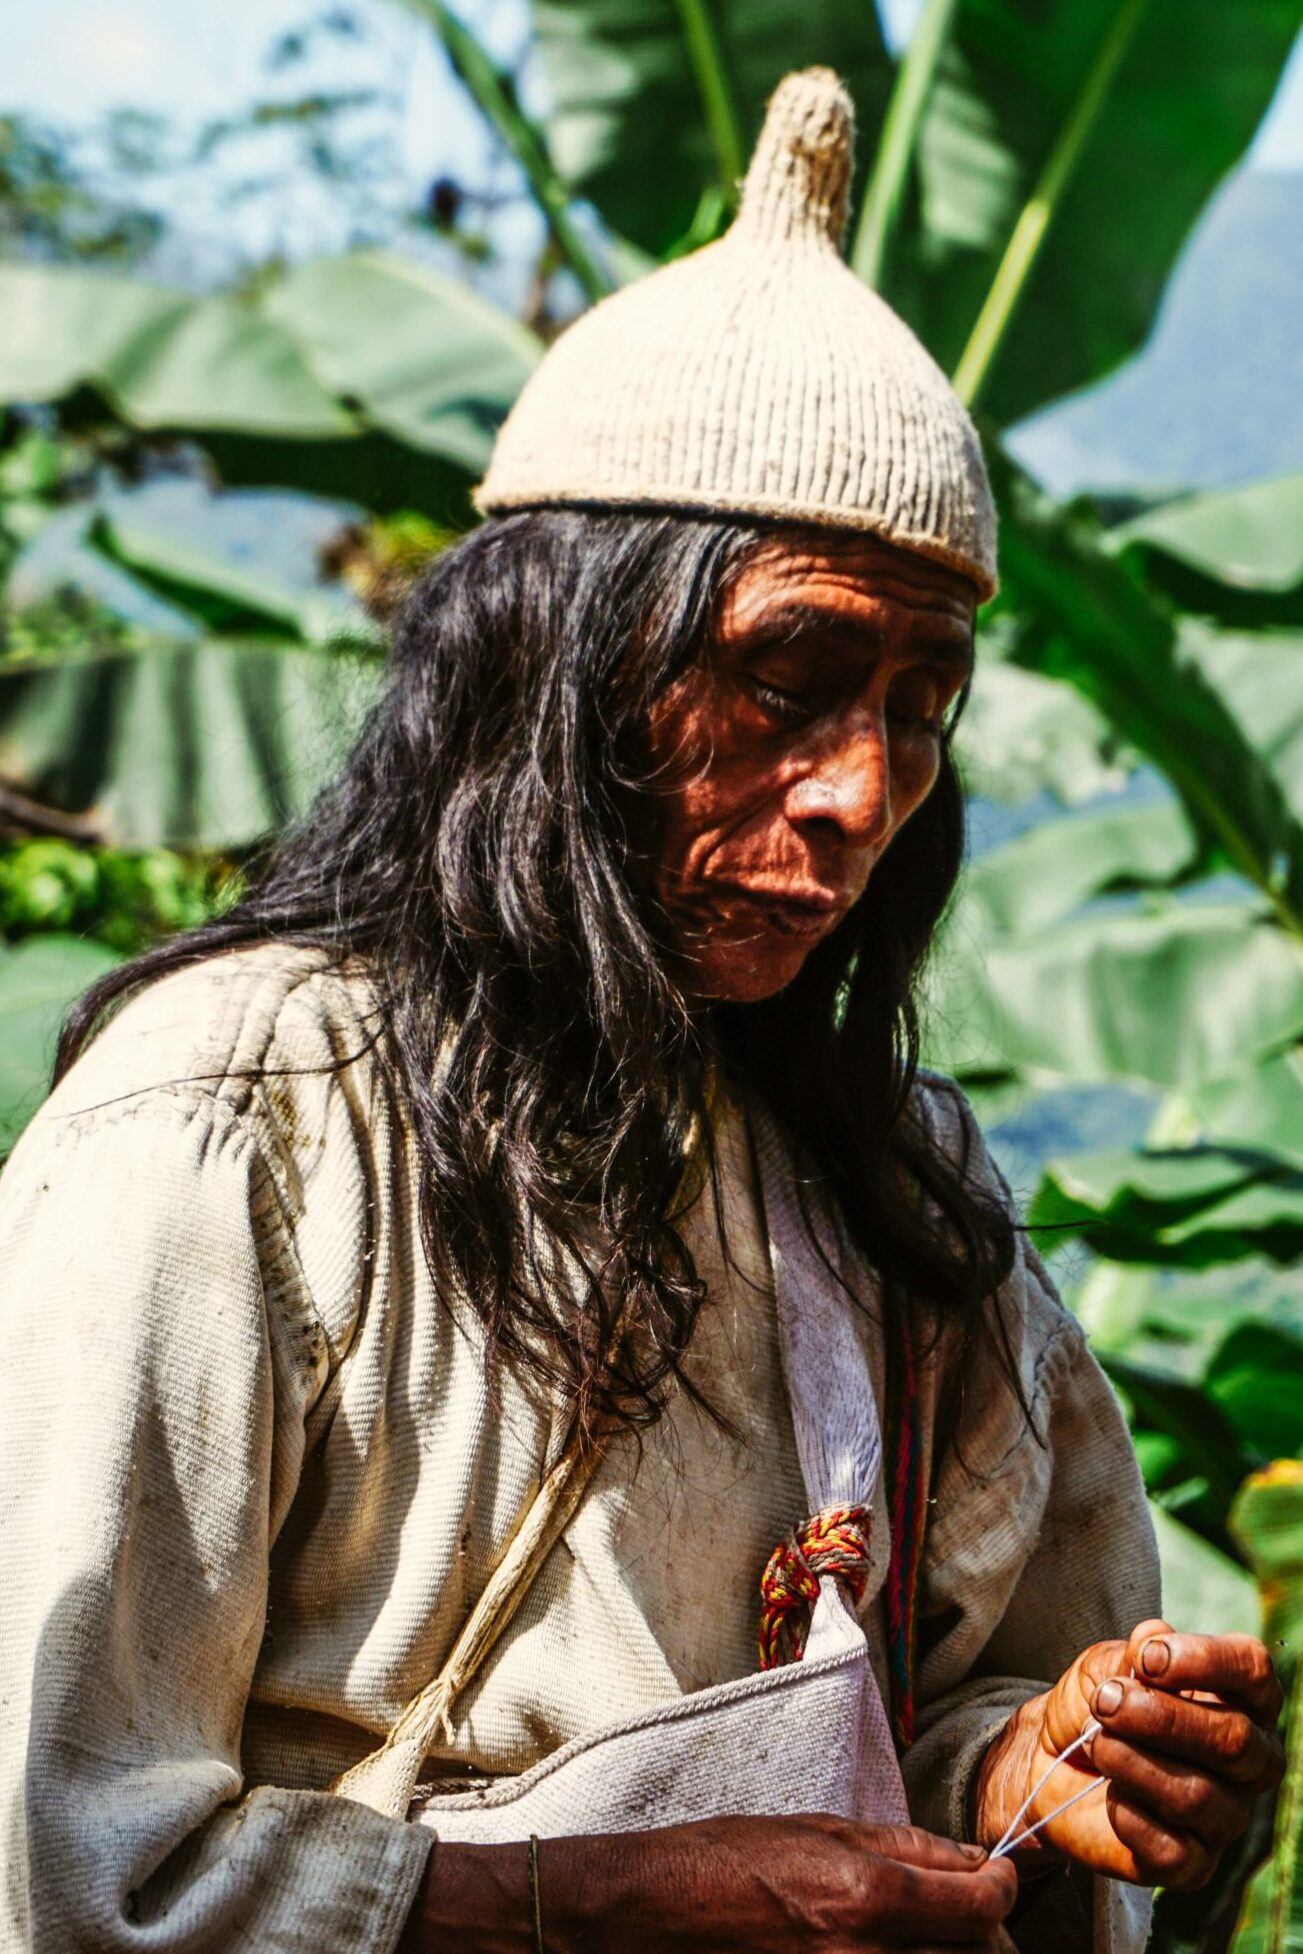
[
  {"x": 1175, "y": 997},
  {"x": 1268, "y": 1523},
  {"x": 1055, "y": 866},
  {"x": 1021, "y": 734},
  {"x": 623, "y": 77},
  {"x": 1260, "y": 675},
  {"x": 1209, "y": 1445},
  {"x": 221, "y": 589},
  {"x": 1203, "y": 1588},
  {"x": 1086, "y": 617},
  {"x": 1189, "y": 87},
  {"x": 213, "y": 745},
  {"x": 1260, "y": 1108},
  {"x": 440, "y": 375},
  {"x": 1256, "y": 1376},
  {"x": 160, "y": 358},
  {"x": 1190, "y": 1207},
  {"x": 302, "y": 362},
  {"x": 39, "y": 980},
  {"x": 1251, "y": 538}
]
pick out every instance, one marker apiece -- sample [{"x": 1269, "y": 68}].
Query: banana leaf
[
  {"x": 160, "y": 358},
  {"x": 1055, "y": 866},
  {"x": 1208, "y": 1445},
  {"x": 1190, "y": 1207},
  {"x": 635, "y": 122},
  {"x": 210, "y": 745},
  {"x": 1121, "y": 117},
  {"x": 301, "y": 362},
  {"x": 39, "y": 980},
  {"x": 1203, "y": 1588},
  {"x": 1082, "y": 615},
  {"x": 1256, "y": 1377},
  {"x": 1175, "y": 996},
  {"x": 441, "y": 374},
  {"x": 218, "y": 588},
  {"x": 1261, "y": 1107},
  {"x": 1260, "y": 676},
  {"x": 1236, "y": 555},
  {"x": 1022, "y": 734}
]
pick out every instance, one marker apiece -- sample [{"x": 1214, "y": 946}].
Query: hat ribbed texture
[{"x": 759, "y": 376}]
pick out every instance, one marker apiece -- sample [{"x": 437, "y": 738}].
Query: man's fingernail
[
  {"x": 973, "y": 1851},
  {"x": 1155, "y": 1656},
  {"x": 1108, "y": 1698}
]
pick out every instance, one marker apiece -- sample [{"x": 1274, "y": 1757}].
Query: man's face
[{"x": 789, "y": 757}]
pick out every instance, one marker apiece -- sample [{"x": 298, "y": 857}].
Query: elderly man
[{"x": 529, "y": 1423}]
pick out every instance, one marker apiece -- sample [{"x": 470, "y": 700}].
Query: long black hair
[{"x": 472, "y": 853}]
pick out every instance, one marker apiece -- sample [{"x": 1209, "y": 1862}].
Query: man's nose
[{"x": 847, "y": 782}]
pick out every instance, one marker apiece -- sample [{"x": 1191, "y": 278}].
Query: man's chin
[{"x": 747, "y": 977}]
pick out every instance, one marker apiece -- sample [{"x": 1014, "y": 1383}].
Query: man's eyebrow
[{"x": 952, "y": 644}]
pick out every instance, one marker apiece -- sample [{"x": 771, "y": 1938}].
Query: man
[{"x": 449, "y": 1305}]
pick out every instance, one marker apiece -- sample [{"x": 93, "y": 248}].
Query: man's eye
[
  {"x": 917, "y": 700},
  {"x": 791, "y": 706}
]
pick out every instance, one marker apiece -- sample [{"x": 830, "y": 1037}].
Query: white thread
[{"x": 1011, "y": 1837}]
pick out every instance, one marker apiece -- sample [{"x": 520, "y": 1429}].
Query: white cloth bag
[{"x": 810, "y": 1737}]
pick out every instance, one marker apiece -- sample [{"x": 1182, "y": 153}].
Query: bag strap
[
  {"x": 386, "y": 1779},
  {"x": 907, "y": 1497}
]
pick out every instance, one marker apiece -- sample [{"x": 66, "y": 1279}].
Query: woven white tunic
[{"x": 252, "y": 1481}]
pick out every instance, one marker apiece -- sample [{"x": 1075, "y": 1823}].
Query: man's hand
[
  {"x": 813, "y": 1885},
  {"x": 1187, "y": 1741}
]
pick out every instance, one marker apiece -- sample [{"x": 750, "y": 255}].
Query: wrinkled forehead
[{"x": 834, "y": 574}]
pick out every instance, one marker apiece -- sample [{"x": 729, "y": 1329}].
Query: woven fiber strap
[
  {"x": 386, "y": 1779},
  {"x": 835, "y": 1541},
  {"x": 907, "y": 1484}
]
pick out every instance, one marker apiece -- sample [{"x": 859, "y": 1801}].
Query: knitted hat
[{"x": 758, "y": 376}]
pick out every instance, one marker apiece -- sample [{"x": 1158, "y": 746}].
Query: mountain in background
[{"x": 1215, "y": 399}]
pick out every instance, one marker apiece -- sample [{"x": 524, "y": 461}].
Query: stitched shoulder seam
[{"x": 178, "y": 1106}]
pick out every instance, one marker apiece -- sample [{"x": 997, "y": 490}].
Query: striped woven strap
[{"x": 906, "y": 1468}]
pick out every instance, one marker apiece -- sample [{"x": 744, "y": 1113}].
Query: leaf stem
[
  {"x": 716, "y": 94},
  {"x": 880, "y": 211},
  {"x": 493, "y": 95},
  {"x": 1281, "y": 1920},
  {"x": 1038, "y": 212}
]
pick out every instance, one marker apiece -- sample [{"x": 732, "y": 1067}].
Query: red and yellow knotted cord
[{"x": 835, "y": 1541}]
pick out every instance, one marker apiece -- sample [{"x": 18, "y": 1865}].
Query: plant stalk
[
  {"x": 488, "y": 88},
  {"x": 880, "y": 211},
  {"x": 712, "y": 80},
  {"x": 1281, "y": 1925},
  {"x": 1038, "y": 212}
]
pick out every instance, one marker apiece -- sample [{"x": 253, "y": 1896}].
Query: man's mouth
[{"x": 812, "y": 912}]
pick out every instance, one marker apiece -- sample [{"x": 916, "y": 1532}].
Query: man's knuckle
[
  {"x": 1191, "y": 1799},
  {"x": 1234, "y": 1738},
  {"x": 1259, "y": 1665},
  {"x": 1166, "y": 1713},
  {"x": 1195, "y": 1870},
  {"x": 1171, "y": 1855}
]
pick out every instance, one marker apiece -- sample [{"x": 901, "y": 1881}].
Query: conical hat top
[{"x": 758, "y": 377}]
